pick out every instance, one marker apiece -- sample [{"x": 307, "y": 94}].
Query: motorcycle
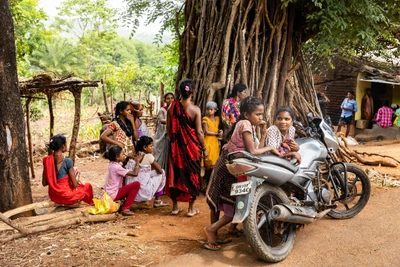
[{"x": 274, "y": 197}]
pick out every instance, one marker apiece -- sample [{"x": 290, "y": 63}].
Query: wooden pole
[
  {"x": 28, "y": 129},
  {"x": 162, "y": 92},
  {"x": 51, "y": 113},
  {"x": 36, "y": 205},
  {"x": 10, "y": 223},
  {"x": 77, "y": 92},
  {"x": 111, "y": 101},
  {"x": 105, "y": 94},
  {"x": 78, "y": 220}
]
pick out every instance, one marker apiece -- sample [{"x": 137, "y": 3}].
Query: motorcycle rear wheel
[
  {"x": 359, "y": 190},
  {"x": 272, "y": 241}
]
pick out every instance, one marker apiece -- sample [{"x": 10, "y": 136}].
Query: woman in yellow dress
[{"x": 211, "y": 130}]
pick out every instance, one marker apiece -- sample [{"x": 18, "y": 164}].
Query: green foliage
[
  {"x": 86, "y": 18},
  {"x": 90, "y": 131},
  {"x": 28, "y": 27},
  {"x": 363, "y": 27},
  {"x": 163, "y": 10},
  {"x": 84, "y": 42},
  {"x": 169, "y": 69},
  {"x": 57, "y": 55}
]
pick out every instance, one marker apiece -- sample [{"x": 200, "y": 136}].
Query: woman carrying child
[
  {"x": 150, "y": 176},
  {"x": 242, "y": 138},
  {"x": 122, "y": 127},
  {"x": 115, "y": 176},
  {"x": 161, "y": 142},
  {"x": 59, "y": 174},
  {"x": 210, "y": 124},
  {"x": 187, "y": 144},
  {"x": 281, "y": 134}
]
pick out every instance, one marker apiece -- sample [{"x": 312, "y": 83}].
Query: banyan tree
[{"x": 260, "y": 43}]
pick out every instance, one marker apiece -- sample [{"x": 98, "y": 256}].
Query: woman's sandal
[
  {"x": 159, "y": 204},
  {"x": 210, "y": 245},
  {"x": 176, "y": 212},
  {"x": 193, "y": 213}
]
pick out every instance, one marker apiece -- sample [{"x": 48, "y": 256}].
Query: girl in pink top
[
  {"x": 242, "y": 138},
  {"x": 115, "y": 176}
]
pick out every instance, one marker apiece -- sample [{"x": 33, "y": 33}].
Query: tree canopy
[{"x": 262, "y": 43}]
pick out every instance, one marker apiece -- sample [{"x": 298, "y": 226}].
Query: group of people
[
  {"x": 141, "y": 168},
  {"x": 386, "y": 116}
]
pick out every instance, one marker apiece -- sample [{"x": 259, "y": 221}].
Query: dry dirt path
[
  {"x": 370, "y": 239},
  {"x": 154, "y": 238}
]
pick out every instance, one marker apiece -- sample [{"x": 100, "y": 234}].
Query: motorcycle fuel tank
[{"x": 311, "y": 150}]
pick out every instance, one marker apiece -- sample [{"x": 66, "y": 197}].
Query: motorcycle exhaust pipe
[{"x": 293, "y": 214}]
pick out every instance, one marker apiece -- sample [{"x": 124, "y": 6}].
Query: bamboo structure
[{"x": 44, "y": 84}]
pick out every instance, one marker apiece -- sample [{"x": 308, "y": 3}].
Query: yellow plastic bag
[{"x": 105, "y": 206}]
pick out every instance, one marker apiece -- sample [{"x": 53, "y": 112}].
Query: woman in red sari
[
  {"x": 59, "y": 174},
  {"x": 187, "y": 147}
]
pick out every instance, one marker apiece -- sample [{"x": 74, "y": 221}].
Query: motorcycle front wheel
[
  {"x": 359, "y": 190},
  {"x": 272, "y": 241}
]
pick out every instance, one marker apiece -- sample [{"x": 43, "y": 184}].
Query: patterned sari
[{"x": 184, "y": 158}]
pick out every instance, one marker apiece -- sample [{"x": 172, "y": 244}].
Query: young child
[
  {"x": 242, "y": 138},
  {"x": 114, "y": 179},
  {"x": 210, "y": 125},
  {"x": 150, "y": 176},
  {"x": 281, "y": 134}
]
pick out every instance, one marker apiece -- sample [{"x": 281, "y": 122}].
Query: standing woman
[
  {"x": 187, "y": 146},
  {"x": 59, "y": 174},
  {"x": 141, "y": 127},
  {"x": 122, "y": 127},
  {"x": 161, "y": 142},
  {"x": 230, "y": 111}
]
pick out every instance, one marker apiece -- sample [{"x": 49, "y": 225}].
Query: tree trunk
[
  {"x": 15, "y": 187},
  {"x": 255, "y": 42}
]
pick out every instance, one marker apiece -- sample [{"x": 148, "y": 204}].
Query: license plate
[{"x": 241, "y": 188}]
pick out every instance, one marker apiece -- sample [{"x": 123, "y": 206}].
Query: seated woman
[
  {"x": 122, "y": 128},
  {"x": 59, "y": 174}
]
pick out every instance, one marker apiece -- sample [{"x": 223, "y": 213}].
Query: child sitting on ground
[
  {"x": 150, "y": 175},
  {"x": 114, "y": 179}
]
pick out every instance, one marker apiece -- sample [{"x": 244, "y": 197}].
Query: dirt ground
[{"x": 154, "y": 238}]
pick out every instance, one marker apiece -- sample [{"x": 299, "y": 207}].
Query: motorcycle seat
[{"x": 272, "y": 159}]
